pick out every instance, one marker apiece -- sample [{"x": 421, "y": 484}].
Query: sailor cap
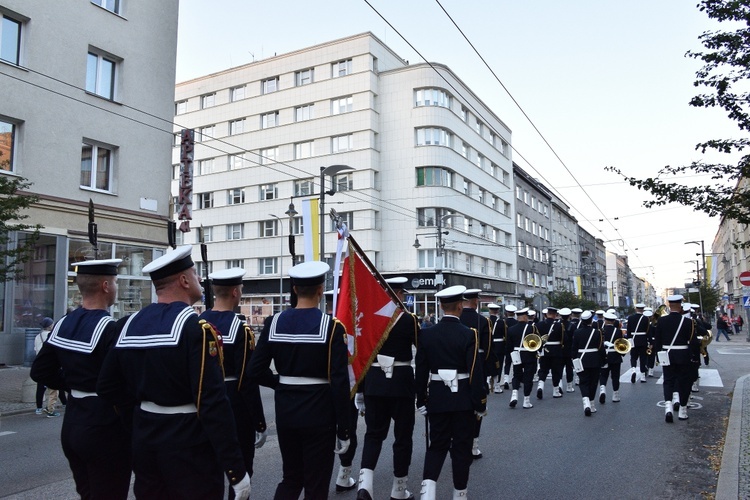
[
  {"x": 511, "y": 308},
  {"x": 451, "y": 294},
  {"x": 640, "y": 305},
  {"x": 309, "y": 273},
  {"x": 550, "y": 309},
  {"x": 227, "y": 277},
  {"x": 609, "y": 315},
  {"x": 170, "y": 263},
  {"x": 492, "y": 305},
  {"x": 686, "y": 307},
  {"x": 648, "y": 313},
  {"x": 522, "y": 312},
  {"x": 106, "y": 267},
  {"x": 532, "y": 312},
  {"x": 576, "y": 310},
  {"x": 586, "y": 315},
  {"x": 675, "y": 298},
  {"x": 397, "y": 283},
  {"x": 544, "y": 311},
  {"x": 599, "y": 312},
  {"x": 565, "y": 311},
  {"x": 472, "y": 293}
]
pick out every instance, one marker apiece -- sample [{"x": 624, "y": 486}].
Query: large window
[
  {"x": 110, "y": 5},
  {"x": 233, "y": 263},
  {"x": 343, "y": 182},
  {"x": 180, "y": 107},
  {"x": 100, "y": 75},
  {"x": 347, "y": 218},
  {"x": 269, "y": 192},
  {"x": 208, "y": 101},
  {"x": 341, "y": 105},
  {"x": 236, "y": 161},
  {"x": 236, "y": 126},
  {"x": 304, "y": 150},
  {"x": 235, "y": 231},
  {"x": 304, "y": 77},
  {"x": 434, "y": 176},
  {"x": 10, "y": 40},
  {"x": 96, "y": 167},
  {"x": 205, "y": 166},
  {"x": 267, "y": 265},
  {"x": 433, "y": 136},
  {"x": 306, "y": 112},
  {"x": 205, "y": 200},
  {"x": 297, "y": 226},
  {"x": 7, "y": 145},
  {"x": 269, "y": 85},
  {"x": 428, "y": 216},
  {"x": 268, "y": 156},
  {"x": 237, "y": 93},
  {"x": 341, "y": 68},
  {"x": 235, "y": 196},
  {"x": 269, "y": 120},
  {"x": 206, "y": 133},
  {"x": 303, "y": 187},
  {"x": 341, "y": 143},
  {"x": 268, "y": 228},
  {"x": 432, "y": 97}
]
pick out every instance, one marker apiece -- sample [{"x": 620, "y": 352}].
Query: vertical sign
[{"x": 185, "y": 198}]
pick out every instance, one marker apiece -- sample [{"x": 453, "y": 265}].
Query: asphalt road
[{"x": 625, "y": 450}]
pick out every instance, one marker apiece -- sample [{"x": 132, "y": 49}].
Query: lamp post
[
  {"x": 438, "y": 253},
  {"x": 697, "y": 275},
  {"x": 291, "y": 212},
  {"x": 281, "y": 261},
  {"x": 330, "y": 171},
  {"x": 703, "y": 259}
]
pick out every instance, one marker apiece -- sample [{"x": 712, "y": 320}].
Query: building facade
[{"x": 85, "y": 114}]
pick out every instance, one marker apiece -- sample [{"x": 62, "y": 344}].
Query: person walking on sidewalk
[
  {"x": 722, "y": 327},
  {"x": 41, "y": 389}
]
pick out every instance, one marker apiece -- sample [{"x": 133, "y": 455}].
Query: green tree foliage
[
  {"x": 724, "y": 76},
  {"x": 12, "y": 205}
]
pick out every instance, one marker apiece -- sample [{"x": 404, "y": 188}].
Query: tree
[
  {"x": 13, "y": 202},
  {"x": 725, "y": 75}
]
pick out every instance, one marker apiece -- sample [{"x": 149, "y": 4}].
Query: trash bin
[{"x": 28, "y": 353}]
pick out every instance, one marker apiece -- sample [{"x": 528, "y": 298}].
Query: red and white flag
[{"x": 368, "y": 312}]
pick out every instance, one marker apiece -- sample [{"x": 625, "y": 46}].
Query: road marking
[
  {"x": 709, "y": 377},
  {"x": 5, "y": 433},
  {"x": 742, "y": 352}
]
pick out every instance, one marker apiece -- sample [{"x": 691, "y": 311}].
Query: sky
[{"x": 582, "y": 85}]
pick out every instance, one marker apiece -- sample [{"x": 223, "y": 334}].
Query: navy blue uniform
[
  {"x": 677, "y": 335},
  {"x": 588, "y": 346},
  {"x": 613, "y": 364},
  {"x": 525, "y": 371}
]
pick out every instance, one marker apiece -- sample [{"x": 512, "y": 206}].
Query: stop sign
[{"x": 745, "y": 278}]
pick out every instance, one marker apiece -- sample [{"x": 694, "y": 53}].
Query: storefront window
[
  {"x": 34, "y": 294},
  {"x": 79, "y": 250}
]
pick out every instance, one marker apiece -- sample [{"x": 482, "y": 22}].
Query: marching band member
[
  {"x": 551, "y": 353},
  {"x": 650, "y": 351},
  {"x": 588, "y": 349},
  {"x": 638, "y": 330},
  {"x": 613, "y": 363},
  {"x": 493, "y": 365},
  {"x": 570, "y": 374},
  {"x": 509, "y": 320},
  {"x": 449, "y": 393},
  {"x": 524, "y": 364}
]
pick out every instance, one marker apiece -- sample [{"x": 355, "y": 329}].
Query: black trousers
[
  {"x": 638, "y": 353},
  {"x": 450, "y": 432},
  {"x": 587, "y": 382},
  {"x": 244, "y": 420},
  {"x": 346, "y": 458},
  {"x": 378, "y": 415},
  {"x": 99, "y": 457},
  {"x": 613, "y": 370},
  {"x": 307, "y": 461},
  {"x": 569, "y": 371},
  {"x": 651, "y": 358},
  {"x": 508, "y": 364},
  {"x": 678, "y": 378},
  {"x": 554, "y": 364},
  {"x": 524, "y": 373}
]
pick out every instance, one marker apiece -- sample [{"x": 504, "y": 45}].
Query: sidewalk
[{"x": 12, "y": 379}]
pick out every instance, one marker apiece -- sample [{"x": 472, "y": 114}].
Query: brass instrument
[
  {"x": 622, "y": 346},
  {"x": 545, "y": 338},
  {"x": 532, "y": 342},
  {"x": 704, "y": 343},
  {"x": 649, "y": 350}
]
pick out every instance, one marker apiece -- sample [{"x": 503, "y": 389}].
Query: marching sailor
[
  {"x": 170, "y": 363},
  {"x": 493, "y": 364},
  {"x": 639, "y": 328},
  {"x": 509, "y": 320},
  {"x": 389, "y": 393},
  {"x": 524, "y": 361},
  {"x": 551, "y": 353},
  {"x": 450, "y": 393},
  {"x": 94, "y": 436},
  {"x": 588, "y": 354},
  {"x": 613, "y": 363}
]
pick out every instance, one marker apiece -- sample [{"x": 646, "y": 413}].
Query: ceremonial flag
[{"x": 366, "y": 309}]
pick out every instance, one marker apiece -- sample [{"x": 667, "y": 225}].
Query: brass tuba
[
  {"x": 622, "y": 346},
  {"x": 532, "y": 342}
]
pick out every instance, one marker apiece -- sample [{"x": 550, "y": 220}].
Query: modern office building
[
  {"x": 427, "y": 192},
  {"x": 86, "y": 92}
]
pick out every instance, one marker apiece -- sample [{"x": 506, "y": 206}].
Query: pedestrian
[
  {"x": 169, "y": 363},
  {"x": 94, "y": 433},
  {"x": 738, "y": 322},
  {"x": 309, "y": 351},
  {"x": 722, "y": 327},
  {"x": 42, "y": 390},
  {"x": 388, "y": 394},
  {"x": 450, "y": 394},
  {"x": 588, "y": 354}
]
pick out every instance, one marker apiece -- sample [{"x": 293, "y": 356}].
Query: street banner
[{"x": 311, "y": 229}]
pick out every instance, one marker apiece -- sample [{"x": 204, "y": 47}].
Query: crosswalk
[
  {"x": 6, "y": 433},
  {"x": 709, "y": 377}
]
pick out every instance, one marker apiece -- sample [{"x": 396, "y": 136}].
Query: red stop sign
[{"x": 745, "y": 278}]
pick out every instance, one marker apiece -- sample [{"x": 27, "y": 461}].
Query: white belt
[
  {"x": 676, "y": 347},
  {"x": 481, "y": 351},
  {"x": 449, "y": 377},
  {"x": 498, "y": 340},
  {"x": 639, "y": 333},
  {"x": 283, "y": 379},
  {"x": 395, "y": 363},
  {"x": 460, "y": 376},
  {"x": 231, "y": 378},
  {"x": 588, "y": 350},
  {"x": 168, "y": 410},
  {"x": 82, "y": 394},
  {"x": 554, "y": 342},
  {"x": 521, "y": 349}
]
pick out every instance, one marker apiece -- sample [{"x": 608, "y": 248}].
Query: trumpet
[
  {"x": 622, "y": 346},
  {"x": 532, "y": 342}
]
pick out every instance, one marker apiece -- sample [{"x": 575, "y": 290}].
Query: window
[
  {"x": 236, "y": 161},
  {"x": 237, "y": 93},
  {"x": 110, "y": 5},
  {"x": 465, "y": 114},
  {"x": 180, "y": 107},
  {"x": 465, "y": 150},
  {"x": 432, "y": 97},
  {"x": 433, "y": 137},
  {"x": 206, "y": 166},
  {"x": 269, "y": 85},
  {"x": 374, "y": 64},
  {"x": 506, "y": 178},
  {"x": 341, "y": 143},
  {"x": 269, "y": 120},
  {"x": 428, "y": 217},
  {"x": 304, "y": 77},
  {"x": 303, "y": 187},
  {"x": 235, "y": 196},
  {"x": 341, "y": 68},
  {"x": 426, "y": 259},
  {"x": 206, "y": 133},
  {"x": 519, "y": 193},
  {"x": 527, "y": 224},
  {"x": 479, "y": 160},
  {"x": 267, "y": 265},
  {"x": 434, "y": 176},
  {"x": 202, "y": 269},
  {"x": 208, "y": 234},
  {"x": 469, "y": 262},
  {"x": 546, "y": 234},
  {"x": 341, "y": 105},
  {"x": 479, "y": 127},
  {"x": 526, "y": 197},
  {"x": 235, "y": 231},
  {"x": 347, "y": 218},
  {"x": 483, "y": 263},
  {"x": 506, "y": 208},
  {"x": 237, "y": 126},
  {"x": 269, "y": 192},
  {"x": 7, "y": 146},
  {"x": 205, "y": 200},
  {"x": 234, "y": 263},
  {"x": 520, "y": 249},
  {"x": 208, "y": 101},
  {"x": 503, "y": 147},
  {"x": 96, "y": 167},
  {"x": 343, "y": 182},
  {"x": 304, "y": 150},
  {"x": 267, "y": 228},
  {"x": 268, "y": 155},
  {"x": 302, "y": 113},
  {"x": 100, "y": 74},
  {"x": 519, "y": 221},
  {"x": 467, "y": 187},
  {"x": 297, "y": 226}
]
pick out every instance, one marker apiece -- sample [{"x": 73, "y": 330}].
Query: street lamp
[
  {"x": 291, "y": 212},
  {"x": 697, "y": 275},
  {"x": 330, "y": 171},
  {"x": 703, "y": 258},
  {"x": 438, "y": 252},
  {"x": 281, "y": 261}
]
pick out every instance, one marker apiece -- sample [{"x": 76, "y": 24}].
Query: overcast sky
[{"x": 606, "y": 83}]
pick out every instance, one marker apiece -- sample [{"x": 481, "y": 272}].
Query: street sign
[
  {"x": 409, "y": 301},
  {"x": 745, "y": 278},
  {"x": 746, "y": 302}
]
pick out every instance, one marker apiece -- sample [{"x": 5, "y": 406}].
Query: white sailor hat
[
  {"x": 611, "y": 310},
  {"x": 648, "y": 308},
  {"x": 599, "y": 312},
  {"x": 576, "y": 310},
  {"x": 532, "y": 312},
  {"x": 511, "y": 308},
  {"x": 609, "y": 315},
  {"x": 586, "y": 315},
  {"x": 640, "y": 305},
  {"x": 550, "y": 309},
  {"x": 565, "y": 311},
  {"x": 451, "y": 294},
  {"x": 397, "y": 283},
  {"x": 648, "y": 313},
  {"x": 686, "y": 307},
  {"x": 227, "y": 277},
  {"x": 170, "y": 263},
  {"x": 472, "y": 293},
  {"x": 309, "y": 273},
  {"x": 106, "y": 267},
  {"x": 675, "y": 298},
  {"x": 492, "y": 305},
  {"x": 522, "y": 312},
  {"x": 544, "y": 311}
]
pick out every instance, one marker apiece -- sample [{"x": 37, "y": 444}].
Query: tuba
[
  {"x": 622, "y": 346},
  {"x": 532, "y": 342}
]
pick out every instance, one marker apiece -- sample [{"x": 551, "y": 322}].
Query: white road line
[
  {"x": 5, "y": 433},
  {"x": 709, "y": 377}
]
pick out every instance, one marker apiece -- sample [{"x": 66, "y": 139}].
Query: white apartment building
[
  {"x": 86, "y": 92},
  {"x": 423, "y": 150}
]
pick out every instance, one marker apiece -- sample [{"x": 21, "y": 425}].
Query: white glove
[
  {"x": 480, "y": 414},
  {"x": 341, "y": 446},
  {"x": 242, "y": 489},
  {"x": 422, "y": 410},
  {"x": 260, "y": 439},
  {"x": 607, "y": 343},
  {"x": 359, "y": 402}
]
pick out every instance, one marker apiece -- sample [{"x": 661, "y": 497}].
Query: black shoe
[
  {"x": 341, "y": 489},
  {"x": 539, "y": 393},
  {"x": 632, "y": 378},
  {"x": 477, "y": 456},
  {"x": 603, "y": 398},
  {"x": 668, "y": 418},
  {"x": 587, "y": 412},
  {"x": 513, "y": 403},
  {"x": 506, "y": 385},
  {"x": 363, "y": 494},
  {"x": 411, "y": 497}
]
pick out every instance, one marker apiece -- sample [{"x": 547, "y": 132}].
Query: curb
[
  {"x": 727, "y": 487},
  {"x": 21, "y": 411}
]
